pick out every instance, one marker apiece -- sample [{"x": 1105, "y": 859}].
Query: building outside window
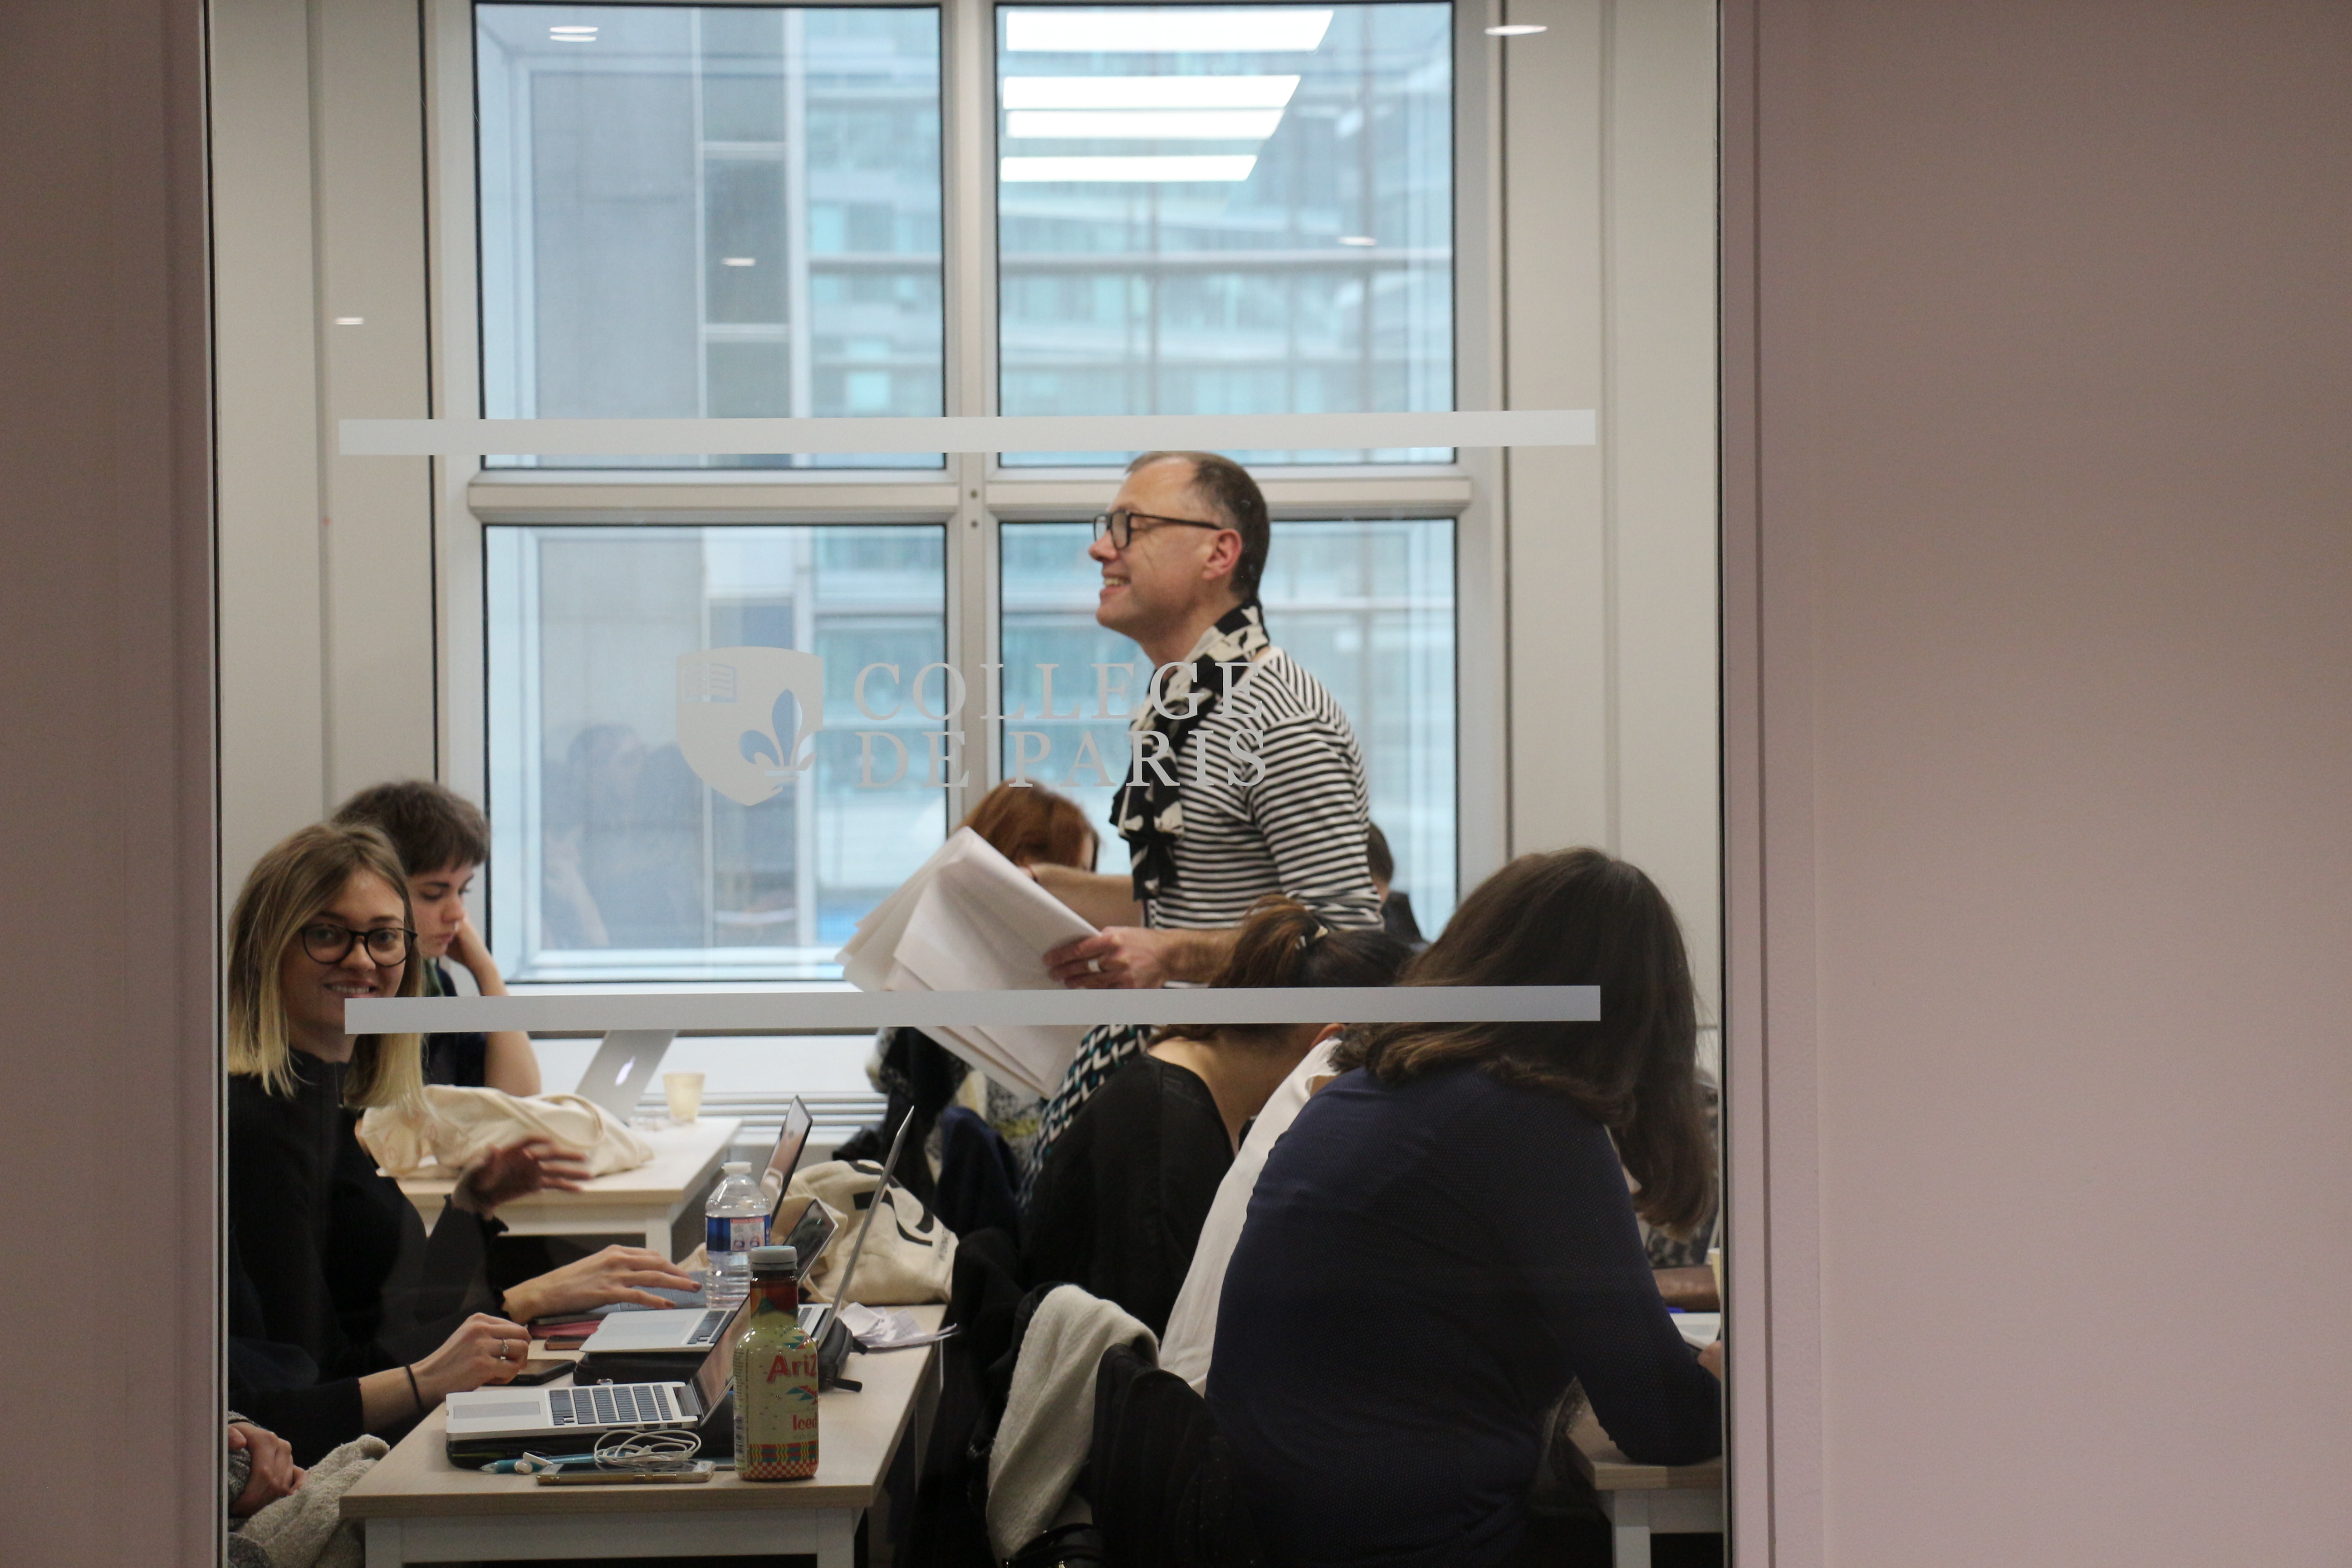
[{"x": 745, "y": 211}]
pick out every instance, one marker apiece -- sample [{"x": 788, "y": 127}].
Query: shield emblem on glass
[{"x": 734, "y": 706}]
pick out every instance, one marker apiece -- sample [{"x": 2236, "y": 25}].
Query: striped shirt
[{"x": 1298, "y": 824}]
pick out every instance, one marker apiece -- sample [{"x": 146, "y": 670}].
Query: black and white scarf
[{"x": 1149, "y": 811}]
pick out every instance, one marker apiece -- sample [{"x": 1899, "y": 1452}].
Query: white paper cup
[{"x": 684, "y": 1090}]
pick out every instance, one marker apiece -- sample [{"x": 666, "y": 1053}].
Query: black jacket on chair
[{"x": 1158, "y": 1474}]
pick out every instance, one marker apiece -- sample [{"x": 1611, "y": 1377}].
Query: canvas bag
[
  {"x": 447, "y": 1130},
  {"x": 910, "y": 1255}
]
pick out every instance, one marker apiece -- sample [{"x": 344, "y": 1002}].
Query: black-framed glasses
[
  {"x": 1118, "y": 526},
  {"x": 388, "y": 945}
]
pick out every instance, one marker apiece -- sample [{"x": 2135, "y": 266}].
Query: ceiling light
[
  {"x": 1144, "y": 124},
  {"x": 572, "y": 34},
  {"x": 1148, "y": 91},
  {"x": 1358, "y": 239},
  {"x": 1284, "y": 29},
  {"x": 1143, "y": 171},
  {"x": 1514, "y": 30},
  {"x": 351, "y": 320},
  {"x": 739, "y": 261}
]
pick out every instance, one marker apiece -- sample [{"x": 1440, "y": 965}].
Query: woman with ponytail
[
  {"x": 1443, "y": 1239},
  {"x": 1120, "y": 1202}
]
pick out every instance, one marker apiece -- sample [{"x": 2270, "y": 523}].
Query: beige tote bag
[
  {"x": 909, "y": 1256},
  {"x": 451, "y": 1127}
]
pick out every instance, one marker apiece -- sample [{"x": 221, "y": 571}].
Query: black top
[
  {"x": 1119, "y": 1204},
  {"x": 464, "y": 1059},
  {"x": 338, "y": 1262},
  {"x": 278, "y": 1385},
  {"x": 1423, "y": 1270}
]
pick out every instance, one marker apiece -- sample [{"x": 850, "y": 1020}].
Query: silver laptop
[
  {"x": 624, "y": 1067},
  {"x": 792, "y": 1139},
  {"x": 805, "y": 1227},
  {"x": 506, "y": 1423}
]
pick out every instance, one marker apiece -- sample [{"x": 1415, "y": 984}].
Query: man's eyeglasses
[
  {"x": 388, "y": 945},
  {"x": 1118, "y": 527}
]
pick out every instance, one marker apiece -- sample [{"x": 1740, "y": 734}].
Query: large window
[
  {"x": 611, "y": 857},
  {"x": 1215, "y": 211},
  {"x": 709, "y": 212},
  {"x": 742, "y": 210}
]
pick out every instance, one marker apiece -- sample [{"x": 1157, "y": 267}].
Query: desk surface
[
  {"x": 683, "y": 1156},
  {"x": 857, "y": 1434},
  {"x": 1608, "y": 1470}
]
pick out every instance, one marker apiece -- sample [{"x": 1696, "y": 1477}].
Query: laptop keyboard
[
  {"x": 707, "y": 1331},
  {"x": 613, "y": 1404}
]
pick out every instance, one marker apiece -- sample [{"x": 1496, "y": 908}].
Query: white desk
[
  {"x": 645, "y": 1202},
  {"x": 1641, "y": 1500},
  {"x": 416, "y": 1507}
]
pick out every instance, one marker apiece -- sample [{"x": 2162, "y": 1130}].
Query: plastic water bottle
[{"x": 733, "y": 1223}]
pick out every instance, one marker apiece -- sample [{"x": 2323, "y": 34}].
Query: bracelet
[{"x": 413, "y": 1392}]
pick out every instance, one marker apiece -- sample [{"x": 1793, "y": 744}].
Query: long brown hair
[
  {"x": 1029, "y": 824},
  {"x": 285, "y": 889},
  {"x": 1282, "y": 943},
  {"x": 1575, "y": 917}
]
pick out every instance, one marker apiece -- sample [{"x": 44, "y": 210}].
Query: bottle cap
[
  {"x": 772, "y": 1262},
  {"x": 737, "y": 1167}
]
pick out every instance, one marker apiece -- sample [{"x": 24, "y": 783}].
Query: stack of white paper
[{"x": 969, "y": 919}]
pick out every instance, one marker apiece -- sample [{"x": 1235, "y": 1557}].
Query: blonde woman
[{"x": 331, "y": 1268}]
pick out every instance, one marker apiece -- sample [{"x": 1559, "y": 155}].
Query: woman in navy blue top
[{"x": 1444, "y": 1238}]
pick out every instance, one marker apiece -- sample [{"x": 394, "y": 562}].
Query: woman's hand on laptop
[
  {"x": 484, "y": 1350},
  {"x": 517, "y": 1171},
  {"x": 615, "y": 1274}
]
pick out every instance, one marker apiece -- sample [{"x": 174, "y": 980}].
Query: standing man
[{"x": 1246, "y": 778}]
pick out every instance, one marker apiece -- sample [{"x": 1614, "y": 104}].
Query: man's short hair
[
  {"x": 432, "y": 827},
  {"x": 1227, "y": 489}
]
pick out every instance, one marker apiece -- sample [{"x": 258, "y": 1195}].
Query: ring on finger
[{"x": 1094, "y": 966}]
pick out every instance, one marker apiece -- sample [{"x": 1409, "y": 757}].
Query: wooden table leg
[
  {"x": 1629, "y": 1528},
  {"x": 383, "y": 1545},
  {"x": 836, "y": 1538}
]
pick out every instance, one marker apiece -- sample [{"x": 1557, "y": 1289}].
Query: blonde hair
[{"x": 287, "y": 888}]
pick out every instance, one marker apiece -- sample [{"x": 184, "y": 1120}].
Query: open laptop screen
[
  {"x": 791, "y": 1139},
  {"x": 711, "y": 1377}
]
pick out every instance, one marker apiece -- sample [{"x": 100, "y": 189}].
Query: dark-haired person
[
  {"x": 1120, "y": 1203},
  {"x": 1396, "y": 906},
  {"x": 339, "y": 1267},
  {"x": 443, "y": 840},
  {"x": 1245, "y": 780},
  {"x": 1443, "y": 1239}
]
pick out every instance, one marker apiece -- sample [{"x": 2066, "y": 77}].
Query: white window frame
[{"x": 975, "y": 493}]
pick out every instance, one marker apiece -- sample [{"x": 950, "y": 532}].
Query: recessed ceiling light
[
  {"x": 1358, "y": 239},
  {"x": 572, "y": 34},
  {"x": 739, "y": 261},
  {"x": 351, "y": 320},
  {"x": 1143, "y": 124},
  {"x": 1185, "y": 170},
  {"x": 1280, "y": 30},
  {"x": 1514, "y": 30},
  {"x": 1148, "y": 91}
]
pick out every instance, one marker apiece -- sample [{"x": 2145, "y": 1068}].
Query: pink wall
[
  {"x": 2038, "y": 379},
  {"x": 105, "y": 842}
]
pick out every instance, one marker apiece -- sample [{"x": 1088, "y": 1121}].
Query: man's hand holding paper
[
  {"x": 972, "y": 920},
  {"x": 1133, "y": 958}
]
